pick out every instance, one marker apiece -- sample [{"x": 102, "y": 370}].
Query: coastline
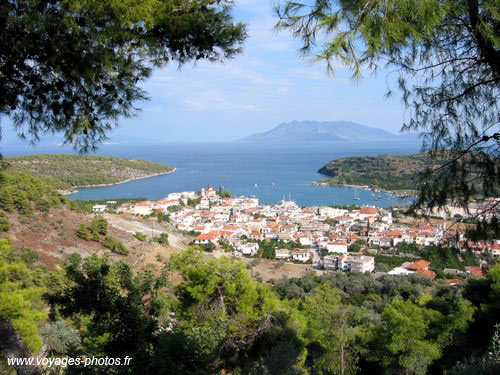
[
  {"x": 75, "y": 188},
  {"x": 364, "y": 187}
]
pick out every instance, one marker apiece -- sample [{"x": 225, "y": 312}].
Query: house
[
  {"x": 362, "y": 263},
  {"x": 418, "y": 265},
  {"x": 99, "y": 209},
  {"x": 337, "y": 247},
  {"x": 474, "y": 271},
  {"x": 165, "y": 203},
  {"x": 399, "y": 271},
  {"x": 282, "y": 254},
  {"x": 248, "y": 249},
  {"x": 302, "y": 256},
  {"x": 206, "y": 238},
  {"x": 142, "y": 208},
  {"x": 123, "y": 208},
  {"x": 305, "y": 241},
  {"x": 426, "y": 273},
  {"x": 330, "y": 262}
]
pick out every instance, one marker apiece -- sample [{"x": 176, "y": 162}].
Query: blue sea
[{"x": 270, "y": 172}]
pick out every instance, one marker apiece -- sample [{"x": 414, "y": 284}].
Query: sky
[{"x": 268, "y": 84}]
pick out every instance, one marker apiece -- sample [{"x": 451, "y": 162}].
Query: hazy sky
[{"x": 266, "y": 85}]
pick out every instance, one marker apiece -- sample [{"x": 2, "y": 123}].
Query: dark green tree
[
  {"x": 331, "y": 326},
  {"x": 76, "y": 67},
  {"x": 121, "y": 309},
  {"x": 83, "y": 233},
  {"x": 59, "y": 337},
  {"x": 99, "y": 225}
]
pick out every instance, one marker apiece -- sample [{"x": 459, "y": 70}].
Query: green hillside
[
  {"x": 389, "y": 172},
  {"x": 69, "y": 171}
]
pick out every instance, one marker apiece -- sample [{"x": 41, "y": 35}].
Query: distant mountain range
[{"x": 314, "y": 131}]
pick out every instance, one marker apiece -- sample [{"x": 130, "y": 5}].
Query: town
[{"x": 329, "y": 238}]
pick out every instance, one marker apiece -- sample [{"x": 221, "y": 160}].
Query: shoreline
[
  {"x": 75, "y": 188},
  {"x": 364, "y": 187}
]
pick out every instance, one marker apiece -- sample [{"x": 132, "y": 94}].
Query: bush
[
  {"x": 115, "y": 246},
  {"x": 140, "y": 236},
  {"x": 84, "y": 233},
  {"x": 208, "y": 247},
  {"x": 4, "y": 223},
  {"x": 99, "y": 225},
  {"x": 162, "y": 217},
  {"x": 162, "y": 239}
]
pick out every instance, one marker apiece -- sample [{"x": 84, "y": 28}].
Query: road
[{"x": 132, "y": 226}]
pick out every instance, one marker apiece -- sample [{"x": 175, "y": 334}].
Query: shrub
[
  {"x": 140, "y": 236},
  {"x": 162, "y": 239},
  {"x": 115, "y": 246},
  {"x": 163, "y": 217},
  {"x": 84, "y": 233},
  {"x": 4, "y": 223},
  {"x": 99, "y": 225}
]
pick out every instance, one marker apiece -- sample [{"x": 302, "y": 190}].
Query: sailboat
[{"x": 356, "y": 195}]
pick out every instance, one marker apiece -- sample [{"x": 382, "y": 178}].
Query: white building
[
  {"x": 337, "y": 247},
  {"x": 305, "y": 241},
  {"x": 360, "y": 263},
  {"x": 99, "y": 209},
  {"x": 282, "y": 254},
  {"x": 331, "y": 211},
  {"x": 248, "y": 249},
  {"x": 330, "y": 262},
  {"x": 142, "y": 208},
  {"x": 302, "y": 256},
  {"x": 400, "y": 271}
]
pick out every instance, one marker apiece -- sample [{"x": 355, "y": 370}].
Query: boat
[{"x": 356, "y": 195}]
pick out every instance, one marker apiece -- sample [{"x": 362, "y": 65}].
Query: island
[
  {"x": 327, "y": 131},
  {"x": 394, "y": 173},
  {"x": 66, "y": 172}
]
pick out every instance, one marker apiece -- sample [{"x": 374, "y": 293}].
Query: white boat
[{"x": 356, "y": 195}]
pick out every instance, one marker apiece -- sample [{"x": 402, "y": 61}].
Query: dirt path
[{"x": 133, "y": 226}]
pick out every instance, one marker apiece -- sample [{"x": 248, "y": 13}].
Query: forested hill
[
  {"x": 389, "y": 172},
  {"x": 68, "y": 171}
]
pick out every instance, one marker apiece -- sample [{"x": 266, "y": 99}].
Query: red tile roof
[
  {"x": 475, "y": 271},
  {"x": 210, "y": 236},
  {"x": 427, "y": 273},
  {"x": 418, "y": 265}
]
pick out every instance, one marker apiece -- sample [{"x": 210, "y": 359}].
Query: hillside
[
  {"x": 389, "y": 172},
  {"x": 313, "y": 131},
  {"x": 34, "y": 216},
  {"x": 69, "y": 171}
]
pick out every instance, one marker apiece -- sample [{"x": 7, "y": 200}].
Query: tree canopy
[
  {"x": 446, "y": 57},
  {"x": 75, "y": 67}
]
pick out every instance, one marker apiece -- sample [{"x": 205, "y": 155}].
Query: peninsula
[
  {"x": 68, "y": 171},
  {"x": 387, "y": 172}
]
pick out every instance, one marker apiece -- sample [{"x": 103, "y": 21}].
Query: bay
[{"x": 270, "y": 172}]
